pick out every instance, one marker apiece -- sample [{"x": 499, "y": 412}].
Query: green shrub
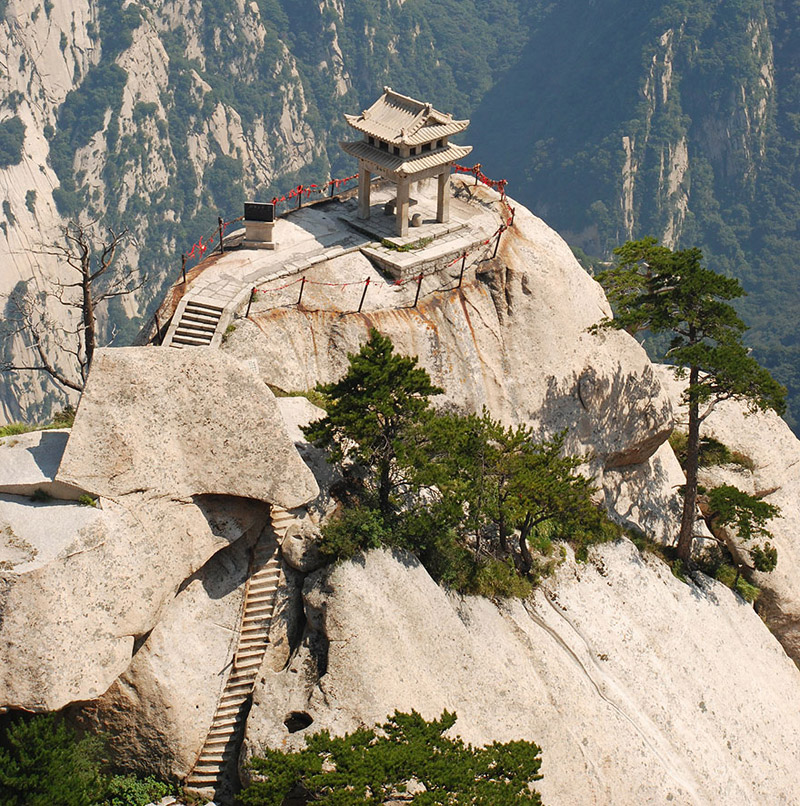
[
  {"x": 12, "y": 429},
  {"x": 43, "y": 763},
  {"x": 61, "y": 419},
  {"x": 12, "y": 138},
  {"x": 729, "y": 576},
  {"x": 129, "y": 790},
  {"x": 65, "y": 418},
  {"x": 712, "y": 452},
  {"x": 765, "y": 558},
  {"x": 353, "y": 530},
  {"x": 87, "y": 500},
  {"x": 373, "y": 766},
  {"x": 499, "y": 579}
]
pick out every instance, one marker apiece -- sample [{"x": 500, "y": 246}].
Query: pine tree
[
  {"x": 408, "y": 754},
  {"x": 653, "y": 288},
  {"x": 371, "y": 408}
]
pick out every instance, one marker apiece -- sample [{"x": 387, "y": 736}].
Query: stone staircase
[
  {"x": 196, "y": 326},
  {"x": 220, "y": 750},
  {"x": 218, "y": 758}
]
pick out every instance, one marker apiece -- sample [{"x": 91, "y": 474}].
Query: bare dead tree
[{"x": 65, "y": 351}]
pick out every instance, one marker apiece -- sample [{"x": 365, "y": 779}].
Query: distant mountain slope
[
  {"x": 612, "y": 120},
  {"x": 678, "y": 119}
]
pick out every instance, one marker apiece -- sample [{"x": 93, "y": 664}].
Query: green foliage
[
  {"x": 498, "y": 579},
  {"x": 749, "y": 515},
  {"x": 712, "y": 452},
  {"x": 501, "y": 480},
  {"x": 65, "y": 418},
  {"x": 655, "y": 289},
  {"x": 409, "y": 247},
  {"x": 87, "y": 500},
  {"x": 765, "y": 558},
  {"x": 12, "y": 138},
  {"x": 479, "y": 504},
  {"x": 731, "y": 577},
  {"x": 12, "y": 429},
  {"x": 130, "y": 790},
  {"x": 30, "y": 201},
  {"x": 42, "y": 762},
  {"x": 371, "y": 410},
  {"x": 355, "y": 529},
  {"x": 371, "y": 766}
]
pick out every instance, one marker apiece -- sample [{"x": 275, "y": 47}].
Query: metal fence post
[
  {"x": 183, "y": 268},
  {"x": 463, "y": 264},
  {"x": 419, "y": 285},
  {"x": 249, "y": 302},
  {"x": 302, "y": 286},
  {"x": 221, "y": 245},
  {"x": 366, "y": 286},
  {"x": 497, "y": 242}
]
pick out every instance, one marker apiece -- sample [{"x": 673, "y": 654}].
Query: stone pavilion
[{"x": 404, "y": 141}]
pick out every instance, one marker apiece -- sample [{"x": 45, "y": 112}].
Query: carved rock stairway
[
  {"x": 197, "y": 325},
  {"x": 222, "y": 743},
  {"x": 218, "y": 757}
]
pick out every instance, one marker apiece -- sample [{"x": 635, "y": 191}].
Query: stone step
[
  {"x": 195, "y": 305},
  {"x": 191, "y": 330},
  {"x": 204, "y": 335},
  {"x": 255, "y": 627},
  {"x": 259, "y": 601},
  {"x": 196, "y": 781},
  {"x": 245, "y": 660},
  {"x": 261, "y": 586},
  {"x": 191, "y": 341},
  {"x": 226, "y": 723},
  {"x": 199, "y": 328},
  {"x": 200, "y": 316},
  {"x": 239, "y": 676}
]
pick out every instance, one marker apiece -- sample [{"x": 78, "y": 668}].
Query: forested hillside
[
  {"x": 677, "y": 119},
  {"x": 612, "y": 120}
]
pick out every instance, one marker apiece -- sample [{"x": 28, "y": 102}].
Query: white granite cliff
[{"x": 639, "y": 687}]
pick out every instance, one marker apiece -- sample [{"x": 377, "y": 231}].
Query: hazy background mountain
[{"x": 611, "y": 120}]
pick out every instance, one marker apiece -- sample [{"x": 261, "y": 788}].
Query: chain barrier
[
  {"x": 328, "y": 187},
  {"x": 205, "y": 243},
  {"x": 215, "y": 238}
]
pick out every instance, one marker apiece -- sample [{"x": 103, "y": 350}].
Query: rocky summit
[{"x": 189, "y": 614}]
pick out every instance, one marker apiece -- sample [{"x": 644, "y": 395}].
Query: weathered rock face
[
  {"x": 157, "y": 714},
  {"x": 638, "y": 687},
  {"x": 645, "y": 495},
  {"x": 181, "y": 423},
  {"x": 775, "y": 452},
  {"x": 29, "y": 462},
  {"x": 515, "y": 339},
  {"x": 159, "y": 432},
  {"x": 87, "y": 583}
]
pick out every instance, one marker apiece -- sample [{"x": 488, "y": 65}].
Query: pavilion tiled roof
[
  {"x": 406, "y": 165},
  {"x": 398, "y": 119}
]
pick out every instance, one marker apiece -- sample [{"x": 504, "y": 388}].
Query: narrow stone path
[{"x": 216, "y": 765}]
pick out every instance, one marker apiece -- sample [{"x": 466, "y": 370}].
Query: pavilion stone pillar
[
  {"x": 405, "y": 140},
  {"x": 443, "y": 196},
  {"x": 403, "y": 193},
  {"x": 364, "y": 177}
]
